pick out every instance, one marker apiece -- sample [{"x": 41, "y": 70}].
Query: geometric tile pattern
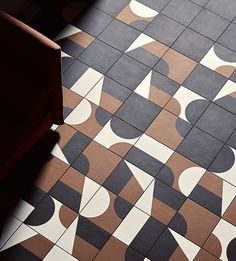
[{"x": 145, "y": 165}]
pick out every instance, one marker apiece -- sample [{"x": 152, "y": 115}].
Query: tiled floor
[{"x": 145, "y": 168}]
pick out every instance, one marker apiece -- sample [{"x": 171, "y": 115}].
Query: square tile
[
  {"x": 233, "y": 76},
  {"x": 118, "y": 136},
  {"x": 232, "y": 140},
  {"x": 181, "y": 174},
  {"x": 156, "y": 5},
  {"x": 111, "y": 7},
  {"x": 66, "y": 61},
  {"x": 175, "y": 66},
  {"x": 192, "y": 218},
  {"x": 187, "y": 105},
  {"x": 122, "y": 38},
  {"x": 137, "y": 15},
  {"x": 146, "y": 110},
  {"x": 100, "y": 56},
  {"x": 182, "y": 11},
  {"x": 218, "y": 122},
  {"x": 220, "y": 242},
  {"x": 192, "y": 44},
  {"x": 128, "y": 72},
  {"x": 173, "y": 246},
  {"x": 165, "y": 201},
  {"x": 204, "y": 255},
  {"x": 146, "y": 50},
  {"x": 228, "y": 37},
  {"x": 225, "y": 8},
  {"x": 168, "y": 129},
  {"x": 205, "y": 82},
  {"x": 108, "y": 94},
  {"x": 88, "y": 118},
  {"x": 200, "y": 147},
  {"x": 200, "y": 2},
  {"x": 220, "y": 59},
  {"x": 59, "y": 254},
  {"x": 96, "y": 162},
  {"x": 209, "y": 24},
  {"x": 213, "y": 193},
  {"x": 128, "y": 181},
  {"x": 92, "y": 21},
  {"x": 169, "y": 35},
  {"x": 229, "y": 213},
  {"x": 157, "y": 88}
]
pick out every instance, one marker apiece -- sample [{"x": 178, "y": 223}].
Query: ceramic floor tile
[
  {"x": 183, "y": 11},
  {"x": 160, "y": 201},
  {"x": 220, "y": 59},
  {"x": 137, "y": 15},
  {"x": 218, "y": 122},
  {"x": 228, "y": 37},
  {"x": 221, "y": 241},
  {"x": 200, "y": 2},
  {"x": 200, "y": 147},
  {"x": 128, "y": 181},
  {"x": 204, "y": 255},
  {"x": 108, "y": 94},
  {"x": 229, "y": 213},
  {"x": 128, "y": 72},
  {"x": 66, "y": 61},
  {"x": 233, "y": 76},
  {"x": 110, "y": 7},
  {"x": 205, "y": 82},
  {"x": 73, "y": 41},
  {"x": 106, "y": 210},
  {"x": 225, "y": 8},
  {"x": 168, "y": 36},
  {"x": 209, "y": 24},
  {"x": 116, "y": 250},
  {"x": 190, "y": 219},
  {"x": 157, "y": 88},
  {"x": 175, "y": 66},
  {"x": 187, "y": 105},
  {"x": 83, "y": 239},
  {"x": 92, "y": 21},
  {"x": 136, "y": 104},
  {"x": 156, "y": 5},
  {"x": 168, "y": 129},
  {"x": 181, "y": 174},
  {"x": 123, "y": 37},
  {"x": 88, "y": 118},
  {"x": 118, "y": 136},
  {"x": 232, "y": 141},
  {"x": 173, "y": 246},
  {"x": 58, "y": 254},
  {"x": 96, "y": 162},
  {"x": 100, "y": 56},
  {"x": 193, "y": 45}
]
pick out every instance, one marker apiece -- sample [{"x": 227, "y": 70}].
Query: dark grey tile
[
  {"x": 218, "y": 122},
  {"x": 92, "y": 21},
  {"x": 128, "y": 72},
  {"x": 228, "y": 37},
  {"x": 119, "y": 35},
  {"x": 200, "y": 2},
  {"x": 137, "y": 105},
  {"x": 193, "y": 45},
  {"x": 111, "y": 7},
  {"x": 232, "y": 141},
  {"x": 183, "y": 11},
  {"x": 233, "y": 76},
  {"x": 156, "y": 5},
  {"x": 205, "y": 82},
  {"x": 100, "y": 56},
  {"x": 209, "y": 24},
  {"x": 225, "y": 8},
  {"x": 200, "y": 147},
  {"x": 169, "y": 35}
]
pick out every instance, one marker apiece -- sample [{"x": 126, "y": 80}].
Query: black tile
[
  {"x": 228, "y": 37},
  {"x": 182, "y": 11},
  {"x": 135, "y": 106},
  {"x": 128, "y": 72},
  {"x": 205, "y": 82},
  {"x": 193, "y": 45},
  {"x": 218, "y": 122},
  {"x": 209, "y": 24},
  {"x": 66, "y": 62},
  {"x": 111, "y": 7},
  {"x": 119, "y": 35},
  {"x": 92, "y": 21},
  {"x": 169, "y": 35},
  {"x": 225, "y": 8},
  {"x": 100, "y": 56},
  {"x": 200, "y": 147}
]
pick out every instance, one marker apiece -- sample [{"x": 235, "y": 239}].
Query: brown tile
[
  {"x": 213, "y": 245},
  {"x": 229, "y": 214},
  {"x": 204, "y": 255},
  {"x": 66, "y": 216},
  {"x": 178, "y": 255},
  {"x": 121, "y": 148},
  {"x": 82, "y": 38},
  {"x": 66, "y": 133},
  {"x": 70, "y": 98}
]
